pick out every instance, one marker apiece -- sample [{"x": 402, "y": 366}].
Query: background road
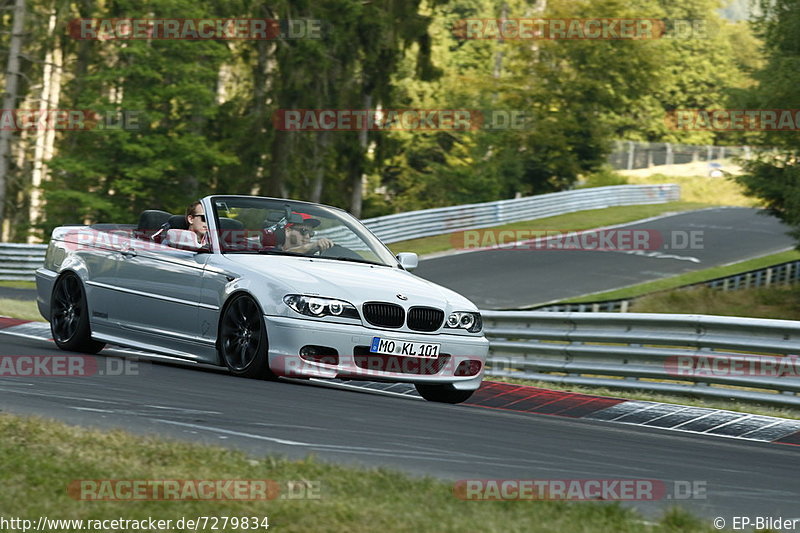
[
  {"x": 449, "y": 442},
  {"x": 508, "y": 279}
]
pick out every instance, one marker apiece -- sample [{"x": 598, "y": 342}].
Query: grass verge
[
  {"x": 42, "y": 458},
  {"x": 781, "y": 302},
  {"x": 697, "y": 401},
  {"x": 18, "y": 284},
  {"x": 24, "y": 309},
  {"x": 688, "y": 278},
  {"x": 717, "y": 191},
  {"x": 580, "y": 220}
]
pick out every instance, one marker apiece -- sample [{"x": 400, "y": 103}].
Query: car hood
[{"x": 353, "y": 282}]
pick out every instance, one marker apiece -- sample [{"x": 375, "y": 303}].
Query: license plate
[{"x": 407, "y": 348}]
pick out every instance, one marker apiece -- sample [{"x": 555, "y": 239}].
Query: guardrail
[
  {"x": 19, "y": 261},
  {"x": 416, "y": 224},
  {"x": 743, "y": 358},
  {"x": 779, "y": 274}
]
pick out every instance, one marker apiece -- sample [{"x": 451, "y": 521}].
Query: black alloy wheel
[
  {"x": 243, "y": 339},
  {"x": 69, "y": 316}
]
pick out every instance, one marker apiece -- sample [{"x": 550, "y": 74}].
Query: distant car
[
  {"x": 715, "y": 170},
  {"x": 248, "y": 302}
]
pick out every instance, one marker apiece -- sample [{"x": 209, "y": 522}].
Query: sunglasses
[
  {"x": 305, "y": 231},
  {"x": 202, "y": 217}
]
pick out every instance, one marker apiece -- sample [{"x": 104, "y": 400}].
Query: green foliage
[
  {"x": 206, "y": 107},
  {"x": 775, "y": 179},
  {"x": 577, "y": 95},
  {"x": 169, "y": 85},
  {"x": 603, "y": 177}
]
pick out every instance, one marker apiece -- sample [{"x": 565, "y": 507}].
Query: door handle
[{"x": 129, "y": 252}]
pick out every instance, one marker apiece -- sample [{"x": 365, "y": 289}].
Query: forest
[{"x": 153, "y": 112}]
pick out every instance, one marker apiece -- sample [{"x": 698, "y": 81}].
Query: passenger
[
  {"x": 298, "y": 236},
  {"x": 196, "y": 218}
]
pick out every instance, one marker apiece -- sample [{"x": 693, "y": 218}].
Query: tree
[
  {"x": 10, "y": 97},
  {"x": 775, "y": 178},
  {"x": 164, "y": 159}
]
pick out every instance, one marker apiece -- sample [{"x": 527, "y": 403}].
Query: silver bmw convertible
[{"x": 270, "y": 287}]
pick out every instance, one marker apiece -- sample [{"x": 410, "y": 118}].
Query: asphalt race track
[
  {"x": 450, "y": 442},
  {"x": 202, "y": 404},
  {"x": 518, "y": 278}
]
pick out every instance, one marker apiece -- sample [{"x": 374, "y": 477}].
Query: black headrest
[
  {"x": 152, "y": 219},
  {"x": 178, "y": 222}
]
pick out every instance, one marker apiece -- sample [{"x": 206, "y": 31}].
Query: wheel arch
[{"x": 224, "y": 307}]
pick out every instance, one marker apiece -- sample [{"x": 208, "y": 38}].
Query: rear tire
[
  {"x": 69, "y": 316},
  {"x": 445, "y": 393},
  {"x": 242, "y": 344}
]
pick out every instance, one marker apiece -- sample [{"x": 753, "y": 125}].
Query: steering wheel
[{"x": 339, "y": 251}]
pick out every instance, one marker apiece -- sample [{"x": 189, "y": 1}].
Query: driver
[{"x": 298, "y": 236}]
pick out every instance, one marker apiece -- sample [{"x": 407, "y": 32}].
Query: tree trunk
[
  {"x": 45, "y": 139},
  {"x": 498, "y": 56},
  {"x": 357, "y": 175},
  {"x": 280, "y": 148},
  {"x": 265, "y": 65},
  {"x": 320, "y": 149},
  {"x": 10, "y": 98}
]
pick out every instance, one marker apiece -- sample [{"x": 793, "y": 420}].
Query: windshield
[{"x": 287, "y": 227}]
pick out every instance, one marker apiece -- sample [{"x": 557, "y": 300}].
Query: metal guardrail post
[{"x": 631, "y": 150}]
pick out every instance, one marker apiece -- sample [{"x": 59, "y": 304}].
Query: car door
[
  {"x": 159, "y": 290},
  {"x": 98, "y": 252}
]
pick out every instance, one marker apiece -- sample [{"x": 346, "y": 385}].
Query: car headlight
[
  {"x": 320, "y": 307},
  {"x": 464, "y": 320}
]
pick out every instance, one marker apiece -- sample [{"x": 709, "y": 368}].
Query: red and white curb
[{"x": 526, "y": 399}]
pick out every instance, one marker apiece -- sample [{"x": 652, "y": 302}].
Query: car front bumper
[{"x": 287, "y": 336}]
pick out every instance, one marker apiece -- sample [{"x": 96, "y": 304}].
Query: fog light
[
  {"x": 470, "y": 367},
  {"x": 320, "y": 354}
]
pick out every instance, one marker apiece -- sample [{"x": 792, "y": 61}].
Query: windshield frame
[{"x": 383, "y": 256}]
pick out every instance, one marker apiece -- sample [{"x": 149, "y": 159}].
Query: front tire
[
  {"x": 243, "y": 346},
  {"x": 445, "y": 393},
  {"x": 69, "y": 316}
]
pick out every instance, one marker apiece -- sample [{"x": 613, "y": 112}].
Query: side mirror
[
  {"x": 408, "y": 260},
  {"x": 182, "y": 239}
]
